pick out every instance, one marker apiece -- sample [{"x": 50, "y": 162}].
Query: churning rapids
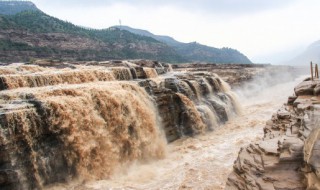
[
  {"x": 105, "y": 125},
  {"x": 203, "y": 161}
]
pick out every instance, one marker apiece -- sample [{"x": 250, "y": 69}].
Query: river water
[{"x": 203, "y": 161}]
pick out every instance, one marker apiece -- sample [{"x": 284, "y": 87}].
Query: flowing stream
[{"x": 203, "y": 161}]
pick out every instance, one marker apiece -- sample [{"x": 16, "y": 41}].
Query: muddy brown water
[{"x": 203, "y": 161}]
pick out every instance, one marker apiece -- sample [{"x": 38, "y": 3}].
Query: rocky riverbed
[{"x": 288, "y": 155}]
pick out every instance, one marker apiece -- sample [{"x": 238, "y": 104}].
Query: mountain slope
[
  {"x": 33, "y": 34},
  {"x": 312, "y": 53},
  {"x": 195, "y": 51},
  {"x": 26, "y": 33},
  {"x": 165, "y": 39}
]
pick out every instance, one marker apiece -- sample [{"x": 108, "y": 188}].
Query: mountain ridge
[
  {"x": 194, "y": 51},
  {"x": 32, "y": 34},
  {"x": 14, "y": 7},
  {"x": 310, "y": 54},
  {"x": 163, "y": 38}
]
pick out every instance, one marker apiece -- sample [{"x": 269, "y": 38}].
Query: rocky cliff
[
  {"x": 84, "y": 120},
  {"x": 288, "y": 155}
]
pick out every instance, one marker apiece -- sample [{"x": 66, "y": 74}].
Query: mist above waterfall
[{"x": 270, "y": 85}]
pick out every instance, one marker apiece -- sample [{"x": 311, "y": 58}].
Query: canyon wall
[{"x": 288, "y": 155}]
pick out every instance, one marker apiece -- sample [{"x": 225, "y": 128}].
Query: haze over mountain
[
  {"x": 31, "y": 34},
  {"x": 312, "y": 53},
  {"x": 270, "y": 31},
  {"x": 13, "y": 7},
  {"x": 194, "y": 51},
  {"x": 166, "y": 39}
]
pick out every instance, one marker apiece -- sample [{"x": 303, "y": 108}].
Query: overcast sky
[{"x": 267, "y": 31}]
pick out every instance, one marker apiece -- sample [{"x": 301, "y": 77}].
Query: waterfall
[
  {"x": 20, "y": 68},
  {"x": 234, "y": 99},
  {"x": 85, "y": 122},
  {"x": 150, "y": 72},
  {"x": 83, "y": 130},
  {"x": 122, "y": 73},
  {"x": 54, "y": 78}
]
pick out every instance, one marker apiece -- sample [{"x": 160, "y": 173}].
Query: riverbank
[{"x": 288, "y": 155}]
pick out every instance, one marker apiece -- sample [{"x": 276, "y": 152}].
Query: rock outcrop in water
[
  {"x": 288, "y": 155},
  {"x": 65, "y": 121}
]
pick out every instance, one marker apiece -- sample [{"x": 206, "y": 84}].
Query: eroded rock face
[{"x": 288, "y": 155}]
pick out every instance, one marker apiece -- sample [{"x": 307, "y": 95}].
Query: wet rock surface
[{"x": 288, "y": 155}]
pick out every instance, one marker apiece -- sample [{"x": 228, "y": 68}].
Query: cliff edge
[{"x": 288, "y": 156}]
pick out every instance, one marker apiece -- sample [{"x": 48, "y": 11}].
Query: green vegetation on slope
[
  {"x": 27, "y": 33},
  {"x": 38, "y": 22},
  {"x": 195, "y": 51},
  {"x": 35, "y": 27}
]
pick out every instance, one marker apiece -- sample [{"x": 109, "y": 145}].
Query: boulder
[
  {"x": 305, "y": 88},
  {"x": 291, "y": 99}
]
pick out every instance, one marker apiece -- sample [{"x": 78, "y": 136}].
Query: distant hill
[
  {"x": 198, "y": 52},
  {"x": 194, "y": 51},
  {"x": 26, "y": 33},
  {"x": 14, "y": 7},
  {"x": 166, "y": 39},
  {"x": 312, "y": 53},
  {"x": 33, "y": 34}
]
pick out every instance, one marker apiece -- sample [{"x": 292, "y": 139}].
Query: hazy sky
[{"x": 264, "y": 30}]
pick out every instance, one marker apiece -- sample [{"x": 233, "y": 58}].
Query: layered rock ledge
[{"x": 288, "y": 157}]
